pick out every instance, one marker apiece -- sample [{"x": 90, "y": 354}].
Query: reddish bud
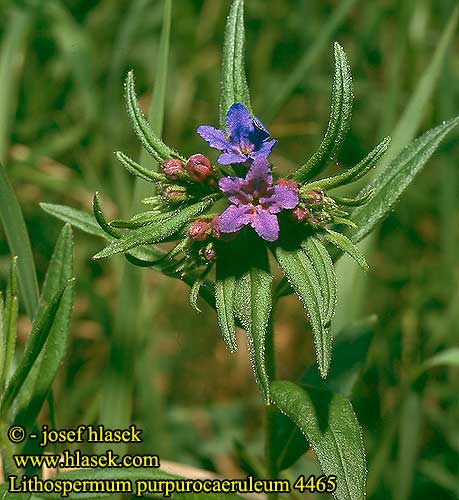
[
  {"x": 199, "y": 168},
  {"x": 173, "y": 169},
  {"x": 215, "y": 227},
  {"x": 199, "y": 230},
  {"x": 208, "y": 252},
  {"x": 288, "y": 183},
  {"x": 300, "y": 214},
  {"x": 314, "y": 197}
]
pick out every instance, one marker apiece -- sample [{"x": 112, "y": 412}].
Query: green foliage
[
  {"x": 302, "y": 276},
  {"x": 328, "y": 421},
  {"x": 339, "y": 122},
  {"x": 389, "y": 185}
]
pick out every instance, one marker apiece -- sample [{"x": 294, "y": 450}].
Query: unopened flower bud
[
  {"x": 174, "y": 194},
  {"x": 199, "y": 230},
  {"x": 313, "y": 197},
  {"x": 288, "y": 183},
  {"x": 208, "y": 252},
  {"x": 199, "y": 168},
  {"x": 173, "y": 169},
  {"x": 300, "y": 214},
  {"x": 215, "y": 227}
]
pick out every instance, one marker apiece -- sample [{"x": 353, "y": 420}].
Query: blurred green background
[{"x": 62, "y": 68}]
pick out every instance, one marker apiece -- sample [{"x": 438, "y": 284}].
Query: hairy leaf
[
  {"x": 323, "y": 266},
  {"x": 224, "y": 299},
  {"x": 329, "y": 423},
  {"x": 154, "y": 234},
  {"x": 136, "y": 169},
  {"x": 340, "y": 117},
  {"x": 150, "y": 141},
  {"x": 301, "y": 275},
  {"x": 344, "y": 244},
  {"x": 353, "y": 173},
  {"x": 351, "y": 347},
  {"x": 398, "y": 175}
]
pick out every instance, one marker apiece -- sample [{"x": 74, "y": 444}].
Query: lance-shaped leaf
[
  {"x": 323, "y": 266},
  {"x": 150, "y": 141},
  {"x": 8, "y": 327},
  {"x": 156, "y": 233},
  {"x": 398, "y": 175},
  {"x": 344, "y": 244},
  {"x": 340, "y": 117},
  {"x": 225, "y": 287},
  {"x": 353, "y": 173},
  {"x": 301, "y": 275},
  {"x": 234, "y": 83},
  {"x": 136, "y": 169},
  {"x": 329, "y": 423},
  {"x": 351, "y": 347},
  {"x": 253, "y": 303},
  {"x": 40, "y": 331},
  {"x": 252, "y": 299},
  {"x": 39, "y": 381}
]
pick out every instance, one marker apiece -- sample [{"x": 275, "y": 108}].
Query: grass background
[{"x": 62, "y": 67}]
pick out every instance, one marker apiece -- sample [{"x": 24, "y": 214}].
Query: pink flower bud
[
  {"x": 173, "y": 169},
  {"x": 199, "y": 230},
  {"x": 288, "y": 183},
  {"x": 314, "y": 196},
  {"x": 208, "y": 252},
  {"x": 199, "y": 168},
  {"x": 215, "y": 227},
  {"x": 174, "y": 194},
  {"x": 300, "y": 214}
]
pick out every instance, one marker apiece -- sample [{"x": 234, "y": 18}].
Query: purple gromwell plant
[{"x": 225, "y": 221}]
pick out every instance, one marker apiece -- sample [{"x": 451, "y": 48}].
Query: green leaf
[
  {"x": 88, "y": 224},
  {"x": 392, "y": 182},
  {"x": 77, "y": 218},
  {"x": 253, "y": 300},
  {"x": 101, "y": 220},
  {"x": 340, "y": 118},
  {"x": 150, "y": 141},
  {"x": 134, "y": 168},
  {"x": 234, "y": 83},
  {"x": 450, "y": 357},
  {"x": 40, "y": 330},
  {"x": 9, "y": 318},
  {"x": 19, "y": 243},
  {"x": 224, "y": 300},
  {"x": 39, "y": 381},
  {"x": 323, "y": 266},
  {"x": 301, "y": 275},
  {"x": 351, "y": 348},
  {"x": 344, "y": 244},
  {"x": 353, "y": 173},
  {"x": 329, "y": 423},
  {"x": 156, "y": 233}
]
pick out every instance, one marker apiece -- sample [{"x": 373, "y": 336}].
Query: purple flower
[
  {"x": 255, "y": 201},
  {"x": 245, "y": 138}
]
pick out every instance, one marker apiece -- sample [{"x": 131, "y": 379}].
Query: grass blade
[
  {"x": 19, "y": 243},
  {"x": 40, "y": 331}
]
